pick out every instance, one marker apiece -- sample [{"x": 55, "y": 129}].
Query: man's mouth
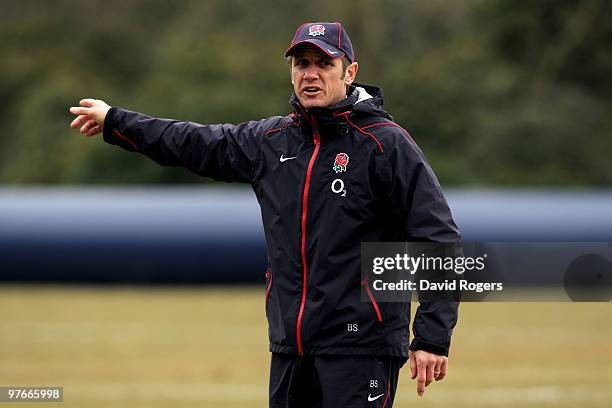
[{"x": 311, "y": 90}]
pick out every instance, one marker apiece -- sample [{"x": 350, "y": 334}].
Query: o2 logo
[{"x": 337, "y": 187}]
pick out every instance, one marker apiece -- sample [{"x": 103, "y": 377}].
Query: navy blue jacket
[{"x": 326, "y": 179}]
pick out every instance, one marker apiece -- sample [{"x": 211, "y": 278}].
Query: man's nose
[{"x": 312, "y": 72}]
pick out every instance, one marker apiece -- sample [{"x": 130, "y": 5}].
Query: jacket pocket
[{"x": 365, "y": 285}]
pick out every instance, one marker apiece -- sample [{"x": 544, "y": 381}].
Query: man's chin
[{"x": 313, "y": 104}]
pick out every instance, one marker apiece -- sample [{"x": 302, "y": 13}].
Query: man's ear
[{"x": 351, "y": 73}]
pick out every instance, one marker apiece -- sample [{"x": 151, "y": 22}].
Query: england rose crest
[
  {"x": 341, "y": 162},
  {"x": 316, "y": 29}
]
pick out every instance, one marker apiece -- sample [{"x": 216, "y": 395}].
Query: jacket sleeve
[
  {"x": 427, "y": 217},
  {"x": 224, "y": 152}
]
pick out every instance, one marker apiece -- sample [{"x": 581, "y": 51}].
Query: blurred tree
[{"x": 496, "y": 92}]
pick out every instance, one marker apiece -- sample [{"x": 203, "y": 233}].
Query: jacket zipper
[
  {"x": 317, "y": 143},
  {"x": 372, "y": 300}
]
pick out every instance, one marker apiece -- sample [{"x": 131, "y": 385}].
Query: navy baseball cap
[{"x": 331, "y": 38}]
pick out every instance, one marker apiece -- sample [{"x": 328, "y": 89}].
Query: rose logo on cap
[{"x": 316, "y": 29}]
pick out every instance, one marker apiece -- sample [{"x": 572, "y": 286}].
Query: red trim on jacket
[
  {"x": 317, "y": 143},
  {"x": 392, "y": 124},
  {"x": 125, "y": 138},
  {"x": 273, "y": 130},
  {"x": 268, "y": 271},
  {"x": 292, "y": 123},
  {"x": 376, "y": 309},
  {"x": 345, "y": 114}
]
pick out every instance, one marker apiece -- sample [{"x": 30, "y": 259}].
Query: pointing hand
[
  {"x": 91, "y": 115},
  {"x": 426, "y": 367}
]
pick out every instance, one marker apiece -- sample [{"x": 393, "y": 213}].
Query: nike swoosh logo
[
  {"x": 284, "y": 159},
  {"x": 370, "y": 398},
  {"x": 332, "y": 52}
]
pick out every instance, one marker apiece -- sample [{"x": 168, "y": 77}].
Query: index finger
[
  {"x": 88, "y": 102},
  {"x": 79, "y": 111}
]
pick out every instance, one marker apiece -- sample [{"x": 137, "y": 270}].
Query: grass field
[{"x": 169, "y": 347}]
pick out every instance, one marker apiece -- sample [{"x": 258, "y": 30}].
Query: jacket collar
[{"x": 365, "y": 99}]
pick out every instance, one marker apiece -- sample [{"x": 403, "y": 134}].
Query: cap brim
[{"x": 327, "y": 49}]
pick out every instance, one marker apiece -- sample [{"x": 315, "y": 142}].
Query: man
[{"x": 334, "y": 173}]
